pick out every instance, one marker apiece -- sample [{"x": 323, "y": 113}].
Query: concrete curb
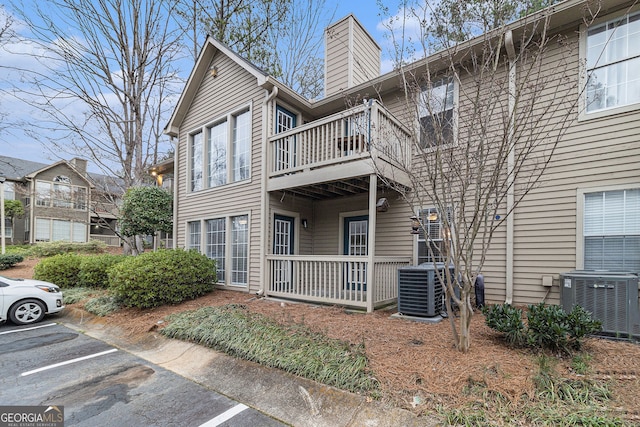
[{"x": 288, "y": 398}]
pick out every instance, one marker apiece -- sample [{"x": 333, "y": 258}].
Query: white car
[{"x": 26, "y": 301}]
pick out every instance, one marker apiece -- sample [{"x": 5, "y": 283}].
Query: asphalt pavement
[
  {"x": 97, "y": 384},
  {"x": 280, "y": 396}
]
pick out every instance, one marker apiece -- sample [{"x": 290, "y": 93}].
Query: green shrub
[
  {"x": 63, "y": 270},
  {"x": 93, "y": 269},
  {"x": 548, "y": 326},
  {"x": 162, "y": 277},
  {"x": 48, "y": 249},
  {"x": 8, "y": 261},
  {"x": 506, "y": 319}
]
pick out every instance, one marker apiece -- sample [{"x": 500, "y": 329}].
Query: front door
[
  {"x": 356, "y": 229},
  {"x": 283, "y": 244},
  {"x": 286, "y": 147}
]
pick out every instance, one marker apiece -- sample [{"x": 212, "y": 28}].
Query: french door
[
  {"x": 283, "y": 244},
  {"x": 285, "y": 147},
  {"x": 356, "y": 242}
]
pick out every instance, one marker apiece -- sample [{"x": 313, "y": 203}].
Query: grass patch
[
  {"x": 468, "y": 417},
  {"x": 75, "y": 295},
  {"x": 103, "y": 305},
  {"x": 293, "y": 347}
]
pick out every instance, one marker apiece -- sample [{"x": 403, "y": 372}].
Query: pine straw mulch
[{"x": 416, "y": 364}]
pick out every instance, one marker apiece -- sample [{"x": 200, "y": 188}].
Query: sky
[{"x": 15, "y": 143}]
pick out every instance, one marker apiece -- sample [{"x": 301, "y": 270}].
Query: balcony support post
[{"x": 371, "y": 241}]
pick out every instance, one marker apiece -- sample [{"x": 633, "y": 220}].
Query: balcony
[{"x": 357, "y": 142}]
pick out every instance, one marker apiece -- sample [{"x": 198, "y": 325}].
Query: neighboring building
[
  {"x": 61, "y": 200},
  {"x": 289, "y": 197}
]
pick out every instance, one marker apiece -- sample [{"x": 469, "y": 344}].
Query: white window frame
[
  {"x": 75, "y": 228},
  {"x": 426, "y": 224},
  {"x": 585, "y": 70},
  {"x": 431, "y": 94},
  {"x": 230, "y": 262},
  {"x": 9, "y": 190},
  {"x": 46, "y": 197},
  {"x": 231, "y": 171},
  {"x": 580, "y": 198},
  {"x": 221, "y": 262}
]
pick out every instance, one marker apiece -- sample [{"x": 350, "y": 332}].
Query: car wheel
[{"x": 26, "y": 311}]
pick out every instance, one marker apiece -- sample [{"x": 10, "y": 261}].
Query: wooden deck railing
[
  {"x": 338, "y": 280},
  {"x": 368, "y": 130}
]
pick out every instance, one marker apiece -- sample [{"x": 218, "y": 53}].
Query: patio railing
[{"x": 338, "y": 280}]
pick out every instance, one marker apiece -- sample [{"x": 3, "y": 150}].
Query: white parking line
[
  {"x": 27, "y": 329},
  {"x": 68, "y": 362},
  {"x": 225, "y": 416}
]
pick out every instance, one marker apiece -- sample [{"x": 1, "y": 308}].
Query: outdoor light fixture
[
  {"x": 305, "y": 223},
  {"x": 415, "y": 225},
  {"x": 213, "y": 71},
  {"x": 382, "y": 205}
]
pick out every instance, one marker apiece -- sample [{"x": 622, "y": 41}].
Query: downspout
[
  {"x": 511, "y": 54},
  {"x": 264, "y": 197},
  {"x": 176, "y": 154}
]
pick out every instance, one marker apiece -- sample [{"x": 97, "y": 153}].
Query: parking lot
[{"x": 101, "y": 385}]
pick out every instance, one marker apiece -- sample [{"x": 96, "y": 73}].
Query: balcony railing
[
  {"x": 366, "y": 131},
  {"x": 338, "y": 280},
  {"x": 108, "y": 239}
]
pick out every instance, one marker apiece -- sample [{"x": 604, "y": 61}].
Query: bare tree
[
  {"x": 491, "y": 112},
  {"x": 283, "y": 37},
  {"x": 101, "y": 83},
  {"x": 106, "y": 73},
  {"x": 299, "y": 44},
  {"x": 5, "y": 33},
  {"x": 243, "y": 25}
]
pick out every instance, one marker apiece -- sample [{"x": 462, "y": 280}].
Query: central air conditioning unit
[
  {"x": 420, "y": 291},
  {"x": 611, "y": 297}
]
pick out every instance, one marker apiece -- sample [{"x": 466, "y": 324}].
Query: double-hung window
[
  {"x": 613, "y": 61},
  {"x": 433, "y": 237},
  {"x": 436, "y": 113},
  {"x": 57, "y": 230},
  {"x": 220, "y": 153},
  {"x": 9, "y": 191},
  {"x": 193, "y": 239},
  {"x": 612, "y": 230}
]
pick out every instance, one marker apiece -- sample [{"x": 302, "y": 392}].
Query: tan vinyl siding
[
  {"x": 393, "y": 230},
  {"x": 337, "y": 57},
  {"x": 285, "y": 204},
  {"x": 239, "y": 90},
  {"x": 352, "y": 56},
  {"x": 366, "y": 63},
  {"x": 594, "y": 153}
]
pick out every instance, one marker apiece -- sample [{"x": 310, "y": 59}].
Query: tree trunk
[{"x": 462, "y": 334}]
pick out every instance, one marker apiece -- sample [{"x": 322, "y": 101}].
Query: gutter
[
  {"x": 511, "y": 54},
  {"x": 264, "y": 196}
]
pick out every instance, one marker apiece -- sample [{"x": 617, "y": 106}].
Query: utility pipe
[{"x": 511, "y": 54}]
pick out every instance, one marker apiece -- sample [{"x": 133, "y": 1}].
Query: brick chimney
[{"x": 352, "y": 56}]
